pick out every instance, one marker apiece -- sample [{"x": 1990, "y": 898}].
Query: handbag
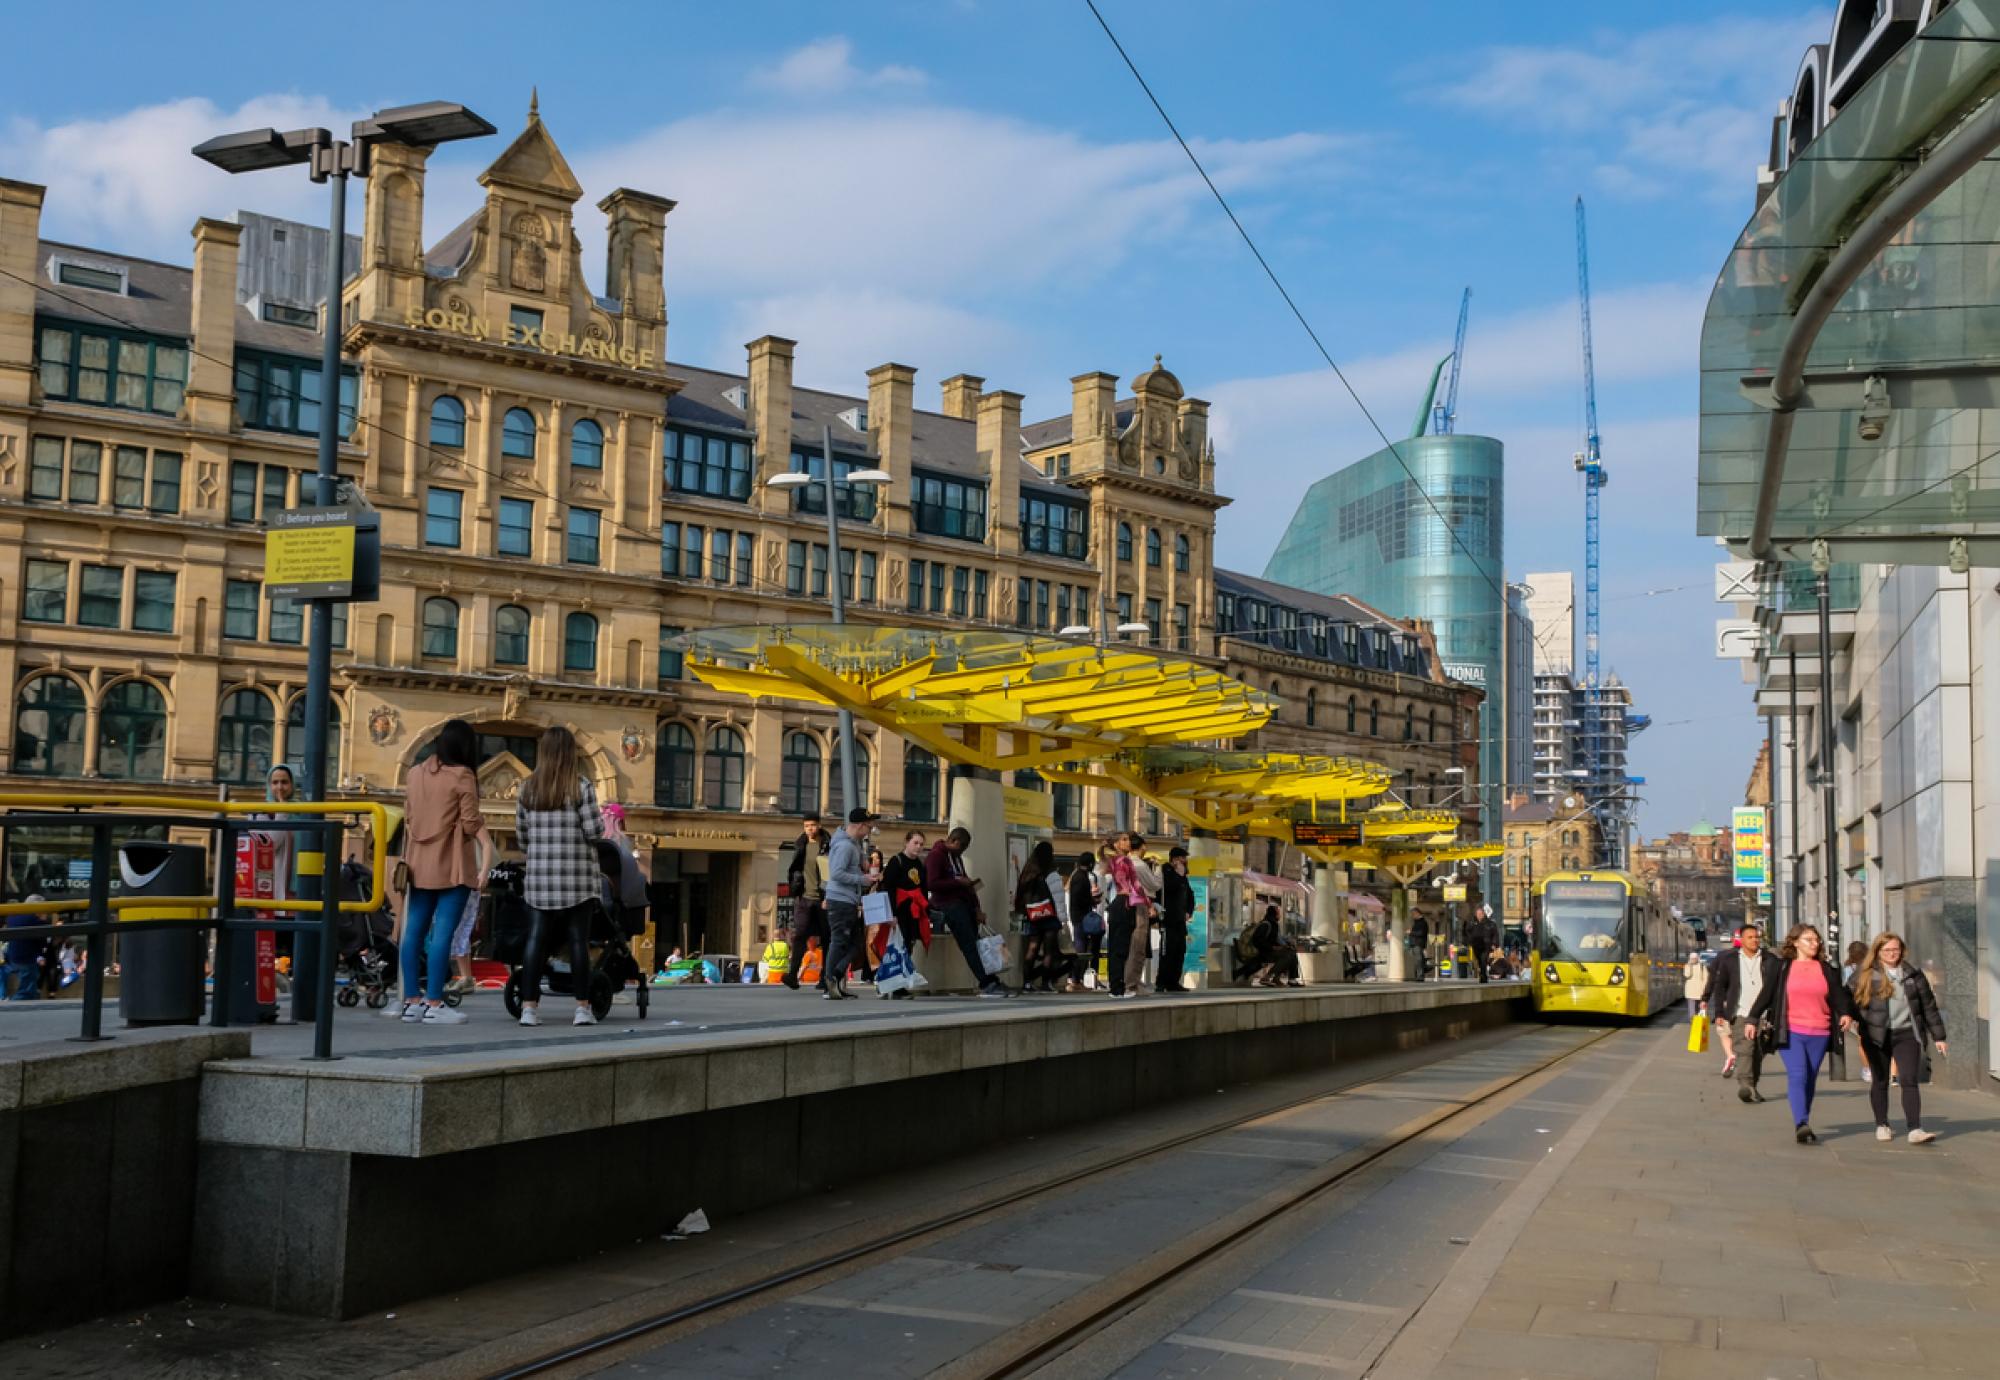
[
  {"x": 876, "y": 909},
  {"x": 1093, "y": 922},
  {"x": 1698, "y": 1036},
  {"x": 1041, "y": 911}
]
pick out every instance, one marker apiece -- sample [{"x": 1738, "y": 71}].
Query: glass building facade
[{"x": 1418, "y": 537}]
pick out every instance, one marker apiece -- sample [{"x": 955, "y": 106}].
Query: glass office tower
[{"x": 1374, "y": 532}]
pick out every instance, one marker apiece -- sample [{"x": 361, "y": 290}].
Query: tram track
[{"x": 1025, "y": 1348}]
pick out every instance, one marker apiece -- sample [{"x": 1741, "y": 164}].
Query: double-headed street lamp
[
  {"x": 1121, "y": 803},
  {"x": 330, "y": 160},
  {"x": 856, "y": 480}
]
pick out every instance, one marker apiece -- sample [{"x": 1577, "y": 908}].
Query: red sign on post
[{"x": 256, "y": 880}]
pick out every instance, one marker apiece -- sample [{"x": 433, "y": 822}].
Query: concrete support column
[
  {"x": 978, "y": 804},
  {"x": 1399, "y": 932},
  {"x": 1329, "y": 909}
]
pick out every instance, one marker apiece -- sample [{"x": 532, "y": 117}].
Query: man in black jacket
[
  {"x": 1735, "y": 980},
  {"x": 807, "y": 881},
  {"x": 1177, "y": 902},
  {"x": 1484, "y": 937}
]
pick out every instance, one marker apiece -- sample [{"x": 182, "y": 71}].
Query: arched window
[
  {"x": 586, "y": 446},
  {"x": 722, "y": 771},
  {"x": 1153, "y": 546},
  {"x": 510, "y": 635},
  {"x": 1352, "y": 708},
  {"x": 448, "y": 422},
  {"x": 920, "y": 784},
  {"x": 49, "y": 726},
  {"x": 580, "y": 642},
  {"x": 441, "y": 627},
  {"x": 517, "y": 434},
  {"x": 243, "y": 738},
  {"x": 798, "y": 775},
  {"x": 295, "y": 739},
  {"x": 836, "y": 794},
  {"x": 1181, "y": 552},
  {"x": 132, "y": 733},
  {"x": 673, "y": 768},
  {"x": 1374, "y": 718},
  {"x": 1124, "y": 541},
  {"x": 1312, "y": 707}
]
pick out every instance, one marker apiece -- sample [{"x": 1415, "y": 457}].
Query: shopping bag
[
  {"x": 992, "y": 954},
  {"x": 876, "y": 909},
  {"x": 1698, "y": 1036},
  {"x": 895, "y": 971}
]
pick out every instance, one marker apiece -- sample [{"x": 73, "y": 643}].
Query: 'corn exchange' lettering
[{"x": 530, "y": 337}]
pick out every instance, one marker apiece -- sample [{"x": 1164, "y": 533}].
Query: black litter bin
[{"x": 160, "y": 971}]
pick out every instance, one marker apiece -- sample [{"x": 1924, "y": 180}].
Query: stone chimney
[
  {"x": 634, "y": 274},
  {"x": 999, "y": 442},
  {"x": 770, "y": 414},
  {"x": 211, "y": 390},
  {"x": 391, "y": 272},
  {"x": 891, "y": 394},
  {"x": 20, "y": 256},
  {"x": 1093, "y": 408},
  {"x": 961, "y": 395}
]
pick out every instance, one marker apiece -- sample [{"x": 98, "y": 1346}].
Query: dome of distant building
[{"x": 1704, "y": 830}]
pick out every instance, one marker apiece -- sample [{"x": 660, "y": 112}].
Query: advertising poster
[
  {"x": 1750, "y": 845},
  {"x": 1197, "y": 945}
]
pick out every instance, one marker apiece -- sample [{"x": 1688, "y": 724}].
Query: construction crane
[
  {"x": 1590, "y": 463},
  {"x": 1444, "y": 416}
]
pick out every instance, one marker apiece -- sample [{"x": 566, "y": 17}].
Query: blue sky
[{"x": 980, "y": 186}]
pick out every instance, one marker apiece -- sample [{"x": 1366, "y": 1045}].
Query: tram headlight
[{"x": 1617, "y": 976}]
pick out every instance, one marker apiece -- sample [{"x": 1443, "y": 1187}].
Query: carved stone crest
[
  {"x": 632, "y": 743},
  {"x": 384, "y": 725}
]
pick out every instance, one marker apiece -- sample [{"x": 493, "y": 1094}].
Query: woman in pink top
[
  {"x": 447, "y": 850},
  {"x": 1803, "y": 1005}
]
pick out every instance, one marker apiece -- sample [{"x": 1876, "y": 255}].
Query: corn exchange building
[{"x": 558, "y": 501}]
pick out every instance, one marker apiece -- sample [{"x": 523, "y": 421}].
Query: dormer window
[
  {"x": 98, "y": 277},
  {"x": 279, "y": 314},
  {"x": 737, "y": 397}
]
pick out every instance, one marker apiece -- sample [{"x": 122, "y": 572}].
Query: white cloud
[
  {"x": 1659, "y": 110},
  {"x": 825, "y": 67},
  {"x": 846, "y": 330},
  {"x": 128, "y": 181}
]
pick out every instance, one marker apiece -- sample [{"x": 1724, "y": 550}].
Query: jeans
[
  {"x": 1802, "y": 1058},
  {"x": 1908, "y": 1054},
  {"x": 958, "y": 918},
  {"x": 24, "y": 978},
  {"x": 844, "y": 943},
  {"x": 541, "y": 931},
  {"x": 429, "y": 917},
  {"x": 1119, "y": 939}
]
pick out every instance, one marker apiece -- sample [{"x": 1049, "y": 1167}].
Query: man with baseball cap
[{"x": 847, "y": 876}]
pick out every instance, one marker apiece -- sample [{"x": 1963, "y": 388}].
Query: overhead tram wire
[{"x": 1277, "y": 283}]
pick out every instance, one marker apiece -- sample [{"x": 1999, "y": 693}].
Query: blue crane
[
  {"x": 1444, "y": 416},
  {"x": 1590, "y": 463}
]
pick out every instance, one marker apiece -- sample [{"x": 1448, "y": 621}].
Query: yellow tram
[{"x": 1603, "y": 944}]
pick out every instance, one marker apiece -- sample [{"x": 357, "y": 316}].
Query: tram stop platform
[{"x": 300, "y": 1185}]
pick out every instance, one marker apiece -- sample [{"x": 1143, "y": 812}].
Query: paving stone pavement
[{"x": 1692, "y": 1237}]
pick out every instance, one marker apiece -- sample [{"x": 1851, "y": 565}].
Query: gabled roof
[{"x": 533, "y": 163}]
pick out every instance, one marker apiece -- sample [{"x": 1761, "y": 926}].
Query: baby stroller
[
  {"x": 612, "y": 928},
  {"x": 367, "y": 958}
]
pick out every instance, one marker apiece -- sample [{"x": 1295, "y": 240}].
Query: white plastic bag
[
  {"x": 876, "y": 909},
  {"x": 992, "y": 954},
  {"x": 895, "y": 973}
]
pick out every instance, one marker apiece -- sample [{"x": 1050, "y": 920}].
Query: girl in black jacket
[{"x": 1898, "y": 1014}]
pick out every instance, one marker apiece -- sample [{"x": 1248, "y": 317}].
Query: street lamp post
[
  {"x": 1121, "y": 801},
  {"x": 331, "y": 161},
  {"x": 850, "y": 792}
]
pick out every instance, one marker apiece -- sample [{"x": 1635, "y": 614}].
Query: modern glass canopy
[{"x": 1893, "y": 448}]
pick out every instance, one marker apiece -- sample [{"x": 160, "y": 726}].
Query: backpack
[{"x": 1246, "y": 941}]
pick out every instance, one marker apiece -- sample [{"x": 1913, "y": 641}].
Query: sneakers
[
  {"x": 1919, "y": 1136},
  {"x": 1884, "y": 1133},
  {"x": 402, "y": 1013},
  {"x": 530, "y": 1016},
  {"x": 412, "y": 1012},
  {"x": 584, "y": 1016},
  {"x": 1804, "y": 1135},
  {"x": 994, "y": 993},
  {"x": 444, "y": 1015},
  {"x": 462, "y": 985}
]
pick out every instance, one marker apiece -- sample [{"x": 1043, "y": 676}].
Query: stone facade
[
  {"x": 1542, "y": 839},
  {"x": 557, "y": 501}
]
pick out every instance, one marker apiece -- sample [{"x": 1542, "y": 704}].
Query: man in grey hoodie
[{"x": 847, "y": 876}]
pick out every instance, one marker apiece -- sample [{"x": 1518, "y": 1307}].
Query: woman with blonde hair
[
  {"x": 558, "y": 823},
  {"x": 1803, "y": 1006},
  {"x": 1898, "y": 1013}
]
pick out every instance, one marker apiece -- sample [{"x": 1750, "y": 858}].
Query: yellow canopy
[
  {"x": 1219, "y": 790},
  {"x": 960, "y": 693}
]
